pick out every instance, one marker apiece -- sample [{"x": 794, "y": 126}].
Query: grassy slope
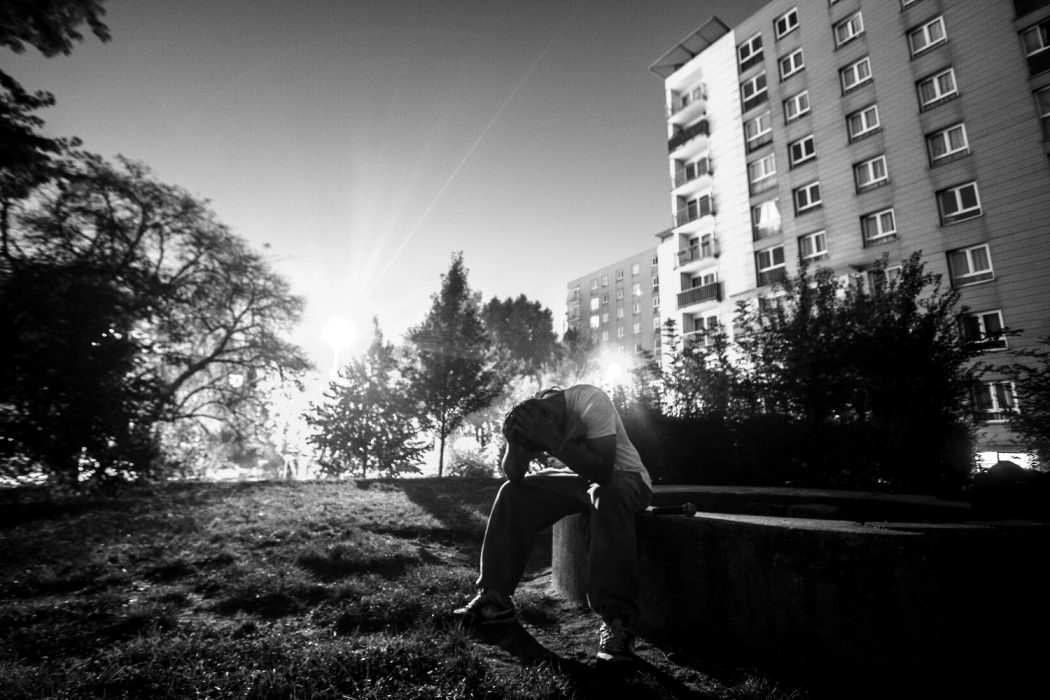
[{"x": 277, "y": 590}]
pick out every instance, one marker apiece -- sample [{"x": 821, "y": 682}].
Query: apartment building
[
  {"x": 845, "y": 131},
  {"x": 619, "y": 306}
]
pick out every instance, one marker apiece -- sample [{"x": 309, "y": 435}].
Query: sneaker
[
  {"x": 487, "y": 609},
  {"x": 615, "y": 642}
]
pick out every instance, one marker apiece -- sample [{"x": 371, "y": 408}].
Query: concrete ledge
[{"x": 878, "y": 609}]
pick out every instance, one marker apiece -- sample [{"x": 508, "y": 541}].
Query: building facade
[
  {"x": 846, "y": 132},
  {"x": 619, "y": 307}
]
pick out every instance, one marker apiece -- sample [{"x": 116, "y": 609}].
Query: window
[
  {"x": 937, "y": 88},
  {"x": 750, "y": 52},
  {"x": 855, "y": 74},
  {"x": 786, "y": 23},
  {"x": 791, "y": 64},
  {"x": 1036, "y": 39},
  {"x": 619, "y": 332},
  {"x": 870, "y": 173},
  {"x": 802, "y": 150},
  {"x": 619, "y": 275},
  {"x": 806, "y": 197},
  {"x": 656, "y": 283},
  {"x": 758, "y": 131},
  {"x": 879, "y": 226},
  {"x": 636, "y": 289},
  {"x": 813, "y": 245},
  {"x": 765, "y": 219},
  {"x": 971, "y": 265},
  {"x": 863, "y": 123},
  {"x": 1042, "y": 101},
  {"x": 762, "y": 173},
  {"x": 927, "y": 36},
  {"x": 995, "y": 401},
  {"x": 753, "y": 92},
  {"x": 636, "y": 308},
  {"x": 594, "y": 285},
  {"x": 984, "y": 329},
  {"x": 881, "y": 277},
  {"x": 848, "y": 29},
  {"x": 605, "y": 299},
  {"x": 619, "y": 312},
  {"x": 605, "y": 336},
  {"x": 594, "y": 303},
  {"x": 637, "y": 328},
  {"x": 770, "y": 265},
  {"x": 656, "y": 302},
  {"x": 619, "y": 292},
  {"x": 594, "y": 322},
  {"x": 947, "y": 144},
  {"x": 796, "y": 106},
  {"x": 605, "y": 280},
  {"x": 959, "y": 203},
  {"x": 605, "y": 317}
]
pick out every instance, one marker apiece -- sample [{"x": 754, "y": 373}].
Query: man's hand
[{"x": 540, "y": 425}]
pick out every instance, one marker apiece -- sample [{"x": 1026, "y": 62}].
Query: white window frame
[
  {"x": 807, "y": 197},
  {"x": 619, "y": 312},
  {"x": 1042, "y": 105},
  {"x": 883, "y": 231},
  {"x": 620, "y": 332},
  {"x": 987, "y": 340},
  {"x": 752, "y": 84},
  {"x": 1041, "y": 33},
  {"x": 786, "y": 23},
  {"x": 817, "y": 242},
  {"x": 926, "y": 35},
  {"x": 940, "y": 92},
  {"x": 808, "y": 148},
  {"x": 594, "y": 303},
  {"x": 771, "y": 262},
  {"x": 753, "y": 54},
  {"x": 751, "y": 140},
  {"x": 761, "y": 170},
  {"x": 866, "y": 173},
  {"x": 997, "y": 411},
  {"x": 594, "y": 284},
  {"x": 636, "y": 268},
  {"x": 855, "y": 74},
  {"x": 944, "y": 138},
  {"x": 637, "y": 328},
  {"x": 791, "y": 64},
  {"x": 870, "y": 124},
  {"x": 955, "y": 196},
  {"x": 605, "y": 336},
  {"x": 853, "y": 26},
  {"x": 636, "y": 307},
  {"x": 619, "y": 293},
  {"x": 796, "y": 106},
  {"x": 973, "y": 274},
  {"x": 619, "y": 275}
]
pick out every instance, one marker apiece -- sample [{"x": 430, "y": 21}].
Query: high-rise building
[
  {"x": 848, "y": 131},
  {"x": 619, "y": 307}
]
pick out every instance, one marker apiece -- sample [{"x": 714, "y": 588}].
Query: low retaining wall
[{"x": 873, "y": 608}]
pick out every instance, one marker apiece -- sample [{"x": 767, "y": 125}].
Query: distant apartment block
[
  {"x": 619, "y": 306},
  {"x": 846, "y": 131}
]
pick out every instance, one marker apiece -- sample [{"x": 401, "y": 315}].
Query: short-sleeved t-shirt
[{"x": 591, "y": 414}]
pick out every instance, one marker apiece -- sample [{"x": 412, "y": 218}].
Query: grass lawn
[{"x": 295, "y": 590}]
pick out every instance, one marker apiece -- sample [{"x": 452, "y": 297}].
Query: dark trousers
[{"x": 522, "y": 510}]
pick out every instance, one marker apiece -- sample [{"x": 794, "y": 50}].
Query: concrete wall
[{"x": 873, "y": 609}]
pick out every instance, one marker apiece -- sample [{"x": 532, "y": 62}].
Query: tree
[
  {"x": 370, "y": 419},
  {"x": 198, "y": 317},
  {"x": 577, "y": 359},
  {"x": 453, "y": 374},
  {"x": 522, "y": 334}
]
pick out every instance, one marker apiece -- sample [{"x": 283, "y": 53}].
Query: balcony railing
[
  {"x": 694, "y": 210},
  {"x": 697, "y": 252},
  {"x": 684, "y": 136},
  {"x": 686, "y": 99},
  {"x": 698, "y": 295},
  {"x": 692, "y": 172}
]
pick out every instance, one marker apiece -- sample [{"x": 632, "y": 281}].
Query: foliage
[
  {"x": 824, "y": 384},
  {"x": 453, "y": 374},
  {"x": 168, "y": 316},
  {"x": 577, "y": 358},
  {"x": 522, "y": 335},
  {"x": 371, "y": 421},
  {"x": 1031, "y": 376}
]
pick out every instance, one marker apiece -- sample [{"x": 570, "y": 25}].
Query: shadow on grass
[
  {"x": 340, "y": 563},
  {"x": 280, "y": 600}
]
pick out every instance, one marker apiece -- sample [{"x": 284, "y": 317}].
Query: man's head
[{"x": 548, "y": 402}]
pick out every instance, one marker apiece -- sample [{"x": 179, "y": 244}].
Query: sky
[{"x": 363, "y": 142}]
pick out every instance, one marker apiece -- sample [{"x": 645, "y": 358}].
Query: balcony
[
  {"x": 684, "y": 136},
  {"x": 692, "y": 173},
  {"x": 707, "y": 250},
  {"x": 698, "y": 295},
  {"x": 687, "y": 106},
  {"x": 697, "y": 209}
]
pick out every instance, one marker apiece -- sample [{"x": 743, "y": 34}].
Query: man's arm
[{"x": 592, "y": 459}]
